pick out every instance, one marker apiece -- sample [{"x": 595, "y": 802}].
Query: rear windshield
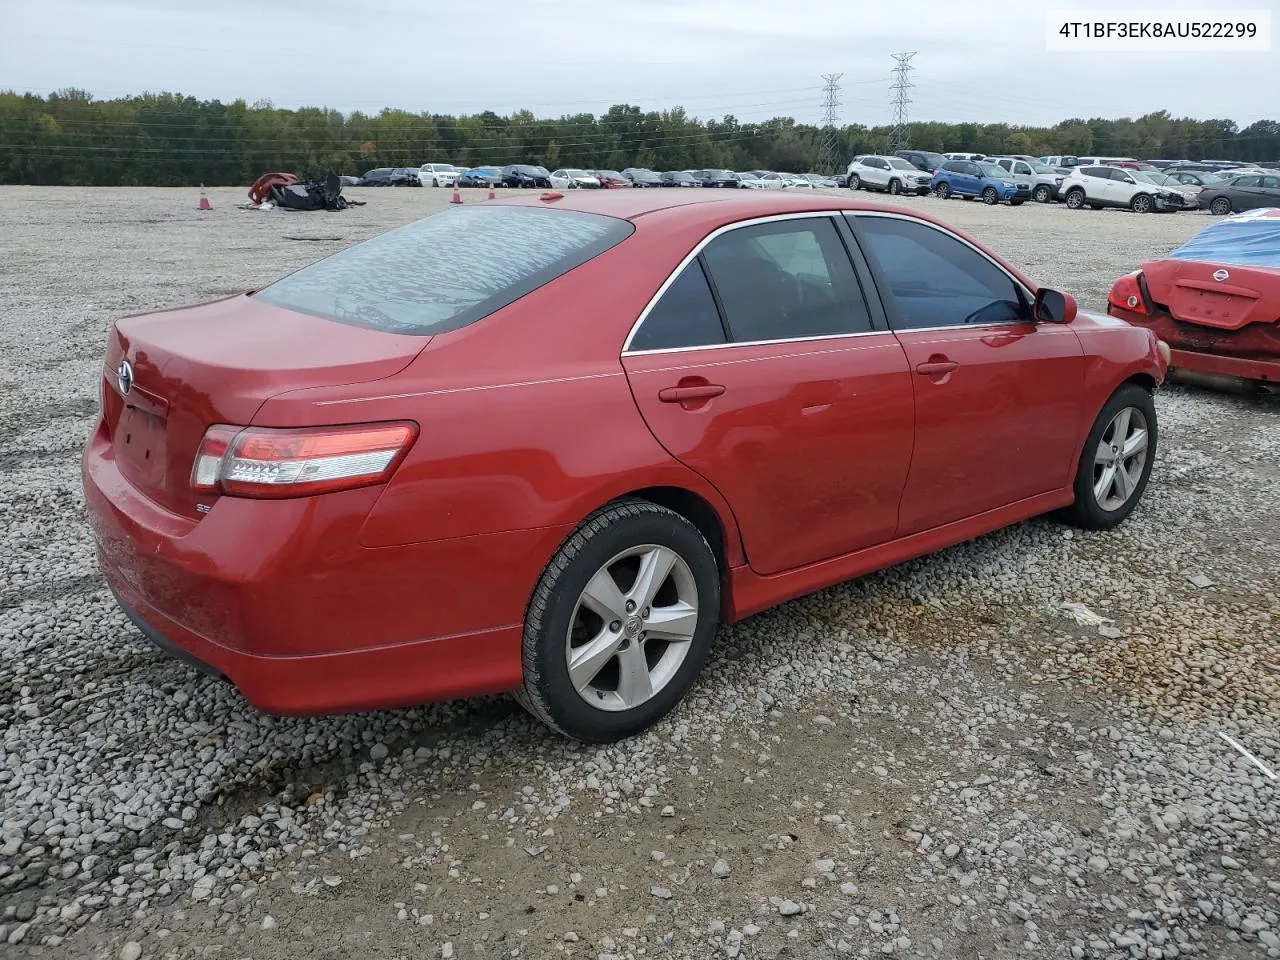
[{"x": 447, "y": 270}]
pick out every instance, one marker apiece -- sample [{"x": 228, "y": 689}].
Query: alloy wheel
[
  {"x": 632, "y": 627},
  {"x": 1120, "y": 458}
]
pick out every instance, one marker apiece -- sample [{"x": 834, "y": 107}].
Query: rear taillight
[
  {"x": 1126, "y": 294},
  {"x": 266, "y": 462}
]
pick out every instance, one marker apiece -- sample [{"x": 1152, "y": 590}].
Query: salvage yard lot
[{"x": 932, "y": 761}]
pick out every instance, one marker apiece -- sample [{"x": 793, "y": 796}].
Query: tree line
[{"x": 167, "y": 139}]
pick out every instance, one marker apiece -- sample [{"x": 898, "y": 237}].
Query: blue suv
[{"x": 978, "y": 178}]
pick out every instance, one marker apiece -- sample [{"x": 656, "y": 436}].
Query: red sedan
[
  {"x": 1216, "y": 301},
  {"x": 415, "y": 471}
]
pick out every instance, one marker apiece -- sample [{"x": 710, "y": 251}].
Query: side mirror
[{"x": 1053, "y": 306}]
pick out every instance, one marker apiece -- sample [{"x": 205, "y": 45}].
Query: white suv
[
  {"x": 438, "y": 174},
  {"x": 1041, "y": 178},
  {"x": 1099, "y": 187},
  {"x": 891, "y": 174}
]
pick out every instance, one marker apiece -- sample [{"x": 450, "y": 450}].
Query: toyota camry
[{"x": 415, "y": 470}]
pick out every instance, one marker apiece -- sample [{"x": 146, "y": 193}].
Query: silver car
[{"x": 1043, "y": 180}]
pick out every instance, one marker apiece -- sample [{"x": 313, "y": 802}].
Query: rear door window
[
  {"x": 447, "y": 270},
  {"x": 786, "y": 280}
]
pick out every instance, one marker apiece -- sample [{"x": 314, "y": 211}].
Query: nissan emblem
[
  {"x": 124, "y": 377},
  {"x": 1220, "y": 275}
]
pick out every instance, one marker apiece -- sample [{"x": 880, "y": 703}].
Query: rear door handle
[
  {"x": 936, "y": 368},
  {"x": 683, "y": 394}
]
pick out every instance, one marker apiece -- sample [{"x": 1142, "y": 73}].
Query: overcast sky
[{"x": 982, "y": 60}]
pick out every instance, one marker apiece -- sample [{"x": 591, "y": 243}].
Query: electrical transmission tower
[
  {"x": 828, "y": 161},
  {"x": 899, "y": 135}
]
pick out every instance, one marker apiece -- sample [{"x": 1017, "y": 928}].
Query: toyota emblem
[
  {"x": 1220, "y": 275},
  {"x": 124, "y": 377}
]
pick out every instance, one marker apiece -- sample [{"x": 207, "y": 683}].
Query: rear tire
[
  {"x": 990, "y": 197},
  {"x": 942, "y": 190},
  {"x": 1108, "y": 482},
  {"x": 1075, "y": 199},
  {"x": 1042, "y": 194},
  {"x": 638, "y": 673},
  {"x": 855, "y": 181},
  {"x": 1221, "y": 206}
]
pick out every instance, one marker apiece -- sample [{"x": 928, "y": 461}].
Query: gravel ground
[{"x": 935, "y": 761}]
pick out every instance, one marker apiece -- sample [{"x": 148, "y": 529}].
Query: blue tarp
[{"x": 1247, "y": 240}]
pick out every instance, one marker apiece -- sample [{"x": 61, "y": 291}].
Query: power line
[
  {"x": 899, "y": 136},
  {"x": 830, "y": 115}
]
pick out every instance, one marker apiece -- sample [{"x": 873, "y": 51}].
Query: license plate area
[
  {"x": 140, "y": 443},
  {"x": 1215, "y": 309}
]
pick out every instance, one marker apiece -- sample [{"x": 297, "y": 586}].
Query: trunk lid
[
  {"x": 1221, "y": 297},
  {"x": 218, "y": 362}
]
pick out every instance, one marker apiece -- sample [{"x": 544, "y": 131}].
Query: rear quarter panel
[{"x": 526, "y": 417}]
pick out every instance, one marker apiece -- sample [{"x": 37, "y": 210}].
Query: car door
[
  {"x": 1119, "y": 188},
  {"x": 782, "y": 388},
  {"x": 998, "y": 397},
  {"x": 1239, "y": 191},
  {"x": 970, "y": 178},
  {"x": 1261, "y": 193}
]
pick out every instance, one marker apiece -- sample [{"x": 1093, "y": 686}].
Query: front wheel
[
  {"x": 620, "y": 624},
  {"x": 990, "y": 197},
  {"x": 1220, "y": 206},
  {"x": 1141, "y": 203},
  {"x": 1115, "y": 464},
  {"x": 942, "y": 190},
  {"x": 895, "y": 187},
  {"x": 1042, "y": 194},
  {"x": 1075, "y": 200},
  {"x": 435, "y": 182}
]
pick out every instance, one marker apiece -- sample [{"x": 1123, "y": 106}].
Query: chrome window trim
[{"x": 693, "y": 254}]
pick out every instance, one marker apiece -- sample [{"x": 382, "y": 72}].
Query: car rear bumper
[
  {"x": 1252, "y": 353},
  {"x": 280, "y": 598},
  {"x": 1266, "y": 371}
]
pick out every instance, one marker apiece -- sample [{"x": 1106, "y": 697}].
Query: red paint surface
[{"x": 822, "y": 460}]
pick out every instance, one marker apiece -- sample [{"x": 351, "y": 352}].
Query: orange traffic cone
[
  {"x": 204, "y": 201},
  {"x": 492, "y": 195},
  {"x": 457, "y": 196}
]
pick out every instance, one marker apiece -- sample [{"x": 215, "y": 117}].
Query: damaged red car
[
  {"x": 1216, "y": 301},
  {"x": 415, "y": 471}
]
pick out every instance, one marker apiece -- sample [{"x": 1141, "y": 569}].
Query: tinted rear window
[{"x": 448, "y": 270}]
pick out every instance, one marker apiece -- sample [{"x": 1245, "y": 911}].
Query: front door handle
[
  {"x": 703, "y": 391},
  {"x": 936, "y": 367}
]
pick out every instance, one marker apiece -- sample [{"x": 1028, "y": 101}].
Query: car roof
[{"x": 713, "y": 205}]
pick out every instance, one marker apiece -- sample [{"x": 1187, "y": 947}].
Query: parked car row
[
  {"x": 533, "y": 176},
  {"x": 1111, "y": 182}
]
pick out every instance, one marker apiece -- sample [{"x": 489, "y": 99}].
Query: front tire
[
  {"x": 1075, "y": 199},
  {"x": 1221, "y": 206},
  {"x": 435, "y": 182},
  {"x": 620, "y": 624},
  {"x": 1141, "y": 203},
  {"x": 990, "y": 197},
  {"x": 895, "y": 187},
  {"x": 942, "y": 190},
  {"x": 1042, "y": 194},
  {"x": 1116, "y": 461}
]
